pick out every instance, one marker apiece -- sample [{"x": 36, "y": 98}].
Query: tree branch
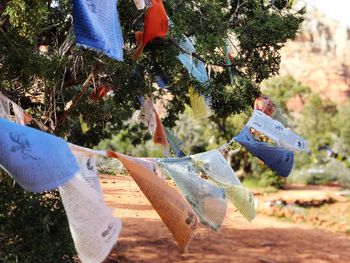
[{"x": 78, "y": 96}]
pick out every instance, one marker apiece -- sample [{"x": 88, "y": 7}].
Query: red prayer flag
[{"x": 156, "y": 25}]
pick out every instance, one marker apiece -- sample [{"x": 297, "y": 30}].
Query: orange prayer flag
[
  {"x": 156, "y": 25},
  {"x": 159, "y": 136},
  {"x": 173, "y": 209}
]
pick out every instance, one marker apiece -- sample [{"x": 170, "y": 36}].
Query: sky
[{"x": 336, "y": 9}]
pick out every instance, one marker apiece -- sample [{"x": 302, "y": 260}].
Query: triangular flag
[
  {"x": 207, "y": 200},
  {"x": 173, "y": 209},
  {"x": 213, "y": 164}
]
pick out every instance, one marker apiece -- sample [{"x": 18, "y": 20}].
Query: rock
[{"x": 320, "y": 57}]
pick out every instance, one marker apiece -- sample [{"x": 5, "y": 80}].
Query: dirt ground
[{"x": 144, "y": 238}]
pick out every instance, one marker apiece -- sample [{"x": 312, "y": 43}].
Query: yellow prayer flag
[{"x": 199, "y": 106}]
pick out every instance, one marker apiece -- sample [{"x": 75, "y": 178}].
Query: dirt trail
[{"x": 144, "y": 238}]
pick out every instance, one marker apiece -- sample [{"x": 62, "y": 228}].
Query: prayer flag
[
  {"x": 37, "y": 160},
  {"x": 207, "y": 200},
  {"x": 275, "y": 130},
  {"x": 195, "y": 67},
  {"x": 94, "y": 229},
  {"x": 175, "y": 212},
  {"x": 277, "y": 158},
  {"x": 97, "y": 26},
  {"x": 213, "y": 165},
  {"x": 264, "y": 104},
  {"x": 156, "y": 25},
  {"x": 199, "y": 106},
  {"x": 175, "y": 143}
]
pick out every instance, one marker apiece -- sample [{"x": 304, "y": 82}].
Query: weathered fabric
[
  {"x": 213, "y": 165},
  {"x": 277, "y": 158},
  {"x": 173, "y": 209},
  {"x": 94, "y": 229},
  {"x": 207, "y": 200},
  {"x": 175, "y": 143},
  {"x": 199, "y": 105},
  {"x": 147, "y": 114},
  {"x": 276, "y": 131},
  {"x": 97, "y": 26},
  {"x": 195, "y": 67},
  {"x": 37, "y": 160},
  {"x": 18, "y": 116},
  {"x": 155, "y": 25},
  {"x": 87, "y": 160}
]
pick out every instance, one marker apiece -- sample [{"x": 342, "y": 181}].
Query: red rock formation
[{"x": 320, "y": 56}]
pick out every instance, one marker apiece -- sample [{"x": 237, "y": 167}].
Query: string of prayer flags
[
  {"x": 173, "y": 209},
  {"x": 199, "y": 105},
  {"x": 276, "y": 131},
  {"x": 155, "y": 25},
  {"x": 94, "y": 229},
  {"x": 207, "y": 200},
  {"x": 277, "y": 158},
  {"x": 97, "y": 26},
  {"x": 213, "y": 165},
  {"x": 38, "y": 161},
  {"x": 175, "y": 143}
]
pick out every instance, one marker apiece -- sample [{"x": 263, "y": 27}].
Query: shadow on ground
[{"x": 145, "y": 240}]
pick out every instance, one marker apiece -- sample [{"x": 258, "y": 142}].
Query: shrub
[{"x": 33, "y": 227}]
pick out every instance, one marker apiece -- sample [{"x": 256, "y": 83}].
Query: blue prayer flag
[
  {"x": 277, "y": 158},
  {"x": 194, "y": 66},
  {"x": 38, "y": 161},
  {"x": 97, "y": 26}
]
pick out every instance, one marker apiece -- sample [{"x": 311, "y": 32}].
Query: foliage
[
  {"x": 45, "y": 81},
  {"x": 33, "y": 227},
  {"x": 315, "y": 123},
  {"x": 282, "y": 89}
]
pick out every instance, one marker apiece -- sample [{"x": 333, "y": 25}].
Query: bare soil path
[{"x": 144, "y": 238}]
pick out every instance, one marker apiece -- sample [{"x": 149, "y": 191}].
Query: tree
[{"x": 43, "y": 70}]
